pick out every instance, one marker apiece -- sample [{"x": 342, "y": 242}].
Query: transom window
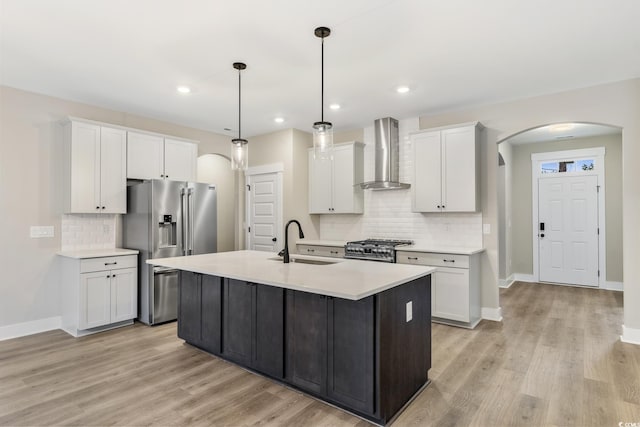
[{"x": 564, "y": 166}]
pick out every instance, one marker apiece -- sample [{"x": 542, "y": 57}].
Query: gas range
[{"x": 374, "y": 249}]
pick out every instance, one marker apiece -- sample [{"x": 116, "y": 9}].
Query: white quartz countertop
[
  {"x": 343, "y": 278},
  {"x": 440, "y": 250},
  {"x": 321, "y": 242},
  {"x": 97, "y": 253}
]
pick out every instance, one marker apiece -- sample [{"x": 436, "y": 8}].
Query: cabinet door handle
[
  {"x": 412, "y": 258},
  {"x": 443, "y": 206},
  {"x": 111, "y": 263},
  {"x": 161, "y": 176},
  {"x": 97, "y": 207},
  {"x": 439, "y": 206},
  {"x": 103, "y": 207},
  {"x": 449, "y": 260}
]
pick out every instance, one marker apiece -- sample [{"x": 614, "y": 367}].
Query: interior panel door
[{"x": 568, "y": 245}]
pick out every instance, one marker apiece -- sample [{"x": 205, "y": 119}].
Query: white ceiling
[{"x": 130, "y": 55}]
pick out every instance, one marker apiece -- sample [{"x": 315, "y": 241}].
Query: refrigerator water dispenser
[{"x": 167, "y": 233}]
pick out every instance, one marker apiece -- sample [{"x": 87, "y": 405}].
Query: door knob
[{"x": 274, "y": 239}]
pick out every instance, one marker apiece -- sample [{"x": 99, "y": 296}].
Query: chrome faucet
[{"x": 286, "y": 238}]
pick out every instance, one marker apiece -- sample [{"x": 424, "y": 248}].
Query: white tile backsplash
[
  {"x": 88, "y": 231},
  {"x": 387, "y": 214}
]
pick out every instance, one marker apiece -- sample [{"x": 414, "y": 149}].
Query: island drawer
[
  {"x": 433, "y": 259},
  {"x": 328, "y": 251},
  {"x": 108, "y": 263}
]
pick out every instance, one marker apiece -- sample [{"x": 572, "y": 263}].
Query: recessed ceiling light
[
  {"x": 402, "y": 89},
  {"x": 279, "y": 120},
  {"x": 183, "y": 89},
  {"x": 334, "y": 106},
  {"x": 561, "y": 127}
]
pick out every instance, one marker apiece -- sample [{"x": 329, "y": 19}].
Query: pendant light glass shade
[
  {"x": 239, "y": 154},
  {"x": 322, "y": 140},
  {"x": 322, "y": 131},
  {"x": 240, "y": 146}
]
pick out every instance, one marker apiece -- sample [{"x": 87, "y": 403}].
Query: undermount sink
[{"x": 306, "y": 261}]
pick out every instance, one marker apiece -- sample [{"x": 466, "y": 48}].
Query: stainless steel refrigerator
[{"x": 167, "y": 219}]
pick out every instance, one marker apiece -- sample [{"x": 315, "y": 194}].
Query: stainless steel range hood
[{"x": 387, "y": 157}]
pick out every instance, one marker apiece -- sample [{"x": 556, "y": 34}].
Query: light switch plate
[
  {"x": 38, "y": 231},
  {"x": 409, "y": 311}
]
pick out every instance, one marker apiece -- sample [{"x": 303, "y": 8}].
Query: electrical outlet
[
  {"x": 409, "y": 311},
  {"x": 486, "y": 228},
  {"x": 38, "y": 231}
]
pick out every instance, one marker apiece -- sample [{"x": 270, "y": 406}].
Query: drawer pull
[
  {"x": 334, "y": 252},
  {"x": 111, "y": 263},
  {"x": 311, "y": 250},
  {"x": 449, "y": 260},
  {"x": 412, "y": 258}
]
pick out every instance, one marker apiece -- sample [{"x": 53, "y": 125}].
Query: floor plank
[{"x": 556, "y": 359}]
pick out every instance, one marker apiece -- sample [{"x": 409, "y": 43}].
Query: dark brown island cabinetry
[
  {"x": 368, "y": 356},
  {"x": 200, "y": 310},
  {"x": 253, "y": 319}
]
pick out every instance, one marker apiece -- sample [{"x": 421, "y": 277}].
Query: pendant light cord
[
  {"x": 239, "y": 104},
  {"x": 322, "y": 82}
]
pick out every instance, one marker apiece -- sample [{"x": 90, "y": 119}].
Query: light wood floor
[{"x": 556, "y": 359}]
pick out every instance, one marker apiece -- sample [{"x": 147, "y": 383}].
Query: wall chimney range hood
[{"x": 386, "y": 157}]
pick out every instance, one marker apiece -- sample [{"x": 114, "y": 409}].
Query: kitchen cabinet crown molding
[
  {"x": 477, "y": 124},
  {"x": 69, "y": 119}
]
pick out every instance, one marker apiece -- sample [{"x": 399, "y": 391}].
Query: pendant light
[
  {"x": 322, "y": 131},
  {"x": 240, "y": 149}
]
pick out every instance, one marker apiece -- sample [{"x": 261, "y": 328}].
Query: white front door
[
  {"x": 265, "y": 220},
  {"x": 568, "y": 230}
]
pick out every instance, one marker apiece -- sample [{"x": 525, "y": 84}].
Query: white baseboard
[
  {"x": 613, "y": 286},
  {"x": 506, "y": 283},
  {"x": 519, "y": 277},
  {"x": 489, "y": 313},
  {"x": 630, "y": 335},
  {"x": 29, "y": 328}
]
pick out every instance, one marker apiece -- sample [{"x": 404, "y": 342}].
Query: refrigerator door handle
[
  {"x": 183, "y": 221},
  {"x": 190, "y": 207}
]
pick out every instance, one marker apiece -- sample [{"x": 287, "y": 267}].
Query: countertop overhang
[
  {"x": 97, "y": 253},
  {"x": 343, "y": 278}
]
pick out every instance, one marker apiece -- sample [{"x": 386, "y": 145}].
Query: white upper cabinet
[
  {"x": 446, "y": 169},
  {"x": 332, "y": 183},
  {"x": 180, "y": 159},
  {"x": 94, "y": 168},
  {"x": 157, "y": 157},
  {"x": 145, "y": 156}
]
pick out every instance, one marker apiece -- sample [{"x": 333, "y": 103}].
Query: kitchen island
[{"x": 355, "y": 334}]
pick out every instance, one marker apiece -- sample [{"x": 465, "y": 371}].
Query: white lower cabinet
[
  {"x": 321, "y": 250},
  {"x": 98, "y": 293},
  {"x": 455, "y": 286}
]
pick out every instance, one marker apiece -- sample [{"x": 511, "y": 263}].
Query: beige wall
[
  {"x": 348, "y": 136},
  {"x": 288, "y": 147},
  {"x": 522, "y": 199},
  {"x": 506, "y": 226},
  {"x": 31, "y": 193},
  {"x": 616, "y": 104}
]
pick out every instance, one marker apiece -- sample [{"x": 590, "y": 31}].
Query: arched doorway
[{"x": 518, "y": 240}]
